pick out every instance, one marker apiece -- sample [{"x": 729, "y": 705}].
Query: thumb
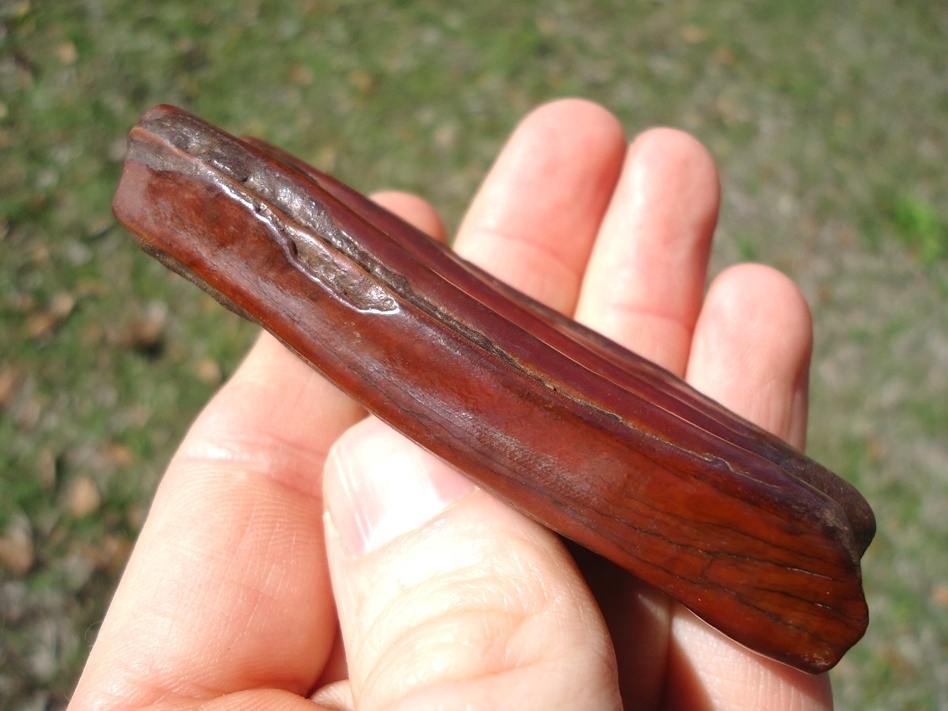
[{"x": 448, "y": 598}]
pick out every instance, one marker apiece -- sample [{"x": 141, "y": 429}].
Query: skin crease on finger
[{"x": 704, "y": 670}]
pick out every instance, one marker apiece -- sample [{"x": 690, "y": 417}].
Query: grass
[
  {"x": 829, "y": 121},
  {"x": 921, "y": 228}
]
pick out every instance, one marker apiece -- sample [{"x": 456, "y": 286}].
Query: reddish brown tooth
[{"x": 590, "y": 440}]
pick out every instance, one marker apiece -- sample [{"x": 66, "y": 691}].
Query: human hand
[{"x": 295, "y": 547}]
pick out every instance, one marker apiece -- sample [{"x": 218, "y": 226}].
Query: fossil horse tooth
[{"x": 587, "y": 438}]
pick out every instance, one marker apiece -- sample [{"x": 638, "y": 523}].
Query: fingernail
[
  {"x": 336, "y": 696},
  {"x": 380, "y": 486}
]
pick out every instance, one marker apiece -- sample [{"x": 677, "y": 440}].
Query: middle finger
[
  {"x": 536, "y": 215},
  {"x": 645, "y": 280}
]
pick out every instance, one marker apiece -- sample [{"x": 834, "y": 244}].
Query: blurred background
[{"x": 829, "y": 121}]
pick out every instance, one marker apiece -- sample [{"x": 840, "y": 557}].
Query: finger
[
  {"x": 643, "y": 288},
  {"x": 533, "y": 224},
  {"x": 751, "y": 352},
  {"x": 535, "y": 217},
  {"x": 751, "y": 349},
  {"x": 646, "y": 275},
  {"x": 414, "y": 210},
  {"x": 229, "y": 561},
  {"x": 228, "y": 588},
  {"x": 448, "y": 598}
]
